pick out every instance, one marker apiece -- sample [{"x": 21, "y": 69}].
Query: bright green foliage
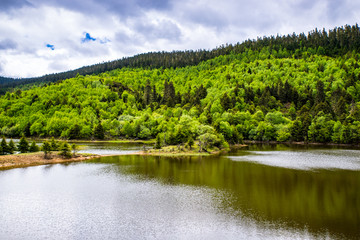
[
  {"x": 266, "y": 94},
  {"x": 54, "y": 144},
  {"x": 321, "y": 129},
  {"x": 46, "y": 147},
  {"x": 34, "y": 147},
  {"x": 296, "y": 131},
  {"x": 65, "y": 150},
  {"x": 74, "y": 148},
  {"x": 190, "y": 142},
  {"x": 23, "y": 145},
  {"x": 158, "y": 142}
]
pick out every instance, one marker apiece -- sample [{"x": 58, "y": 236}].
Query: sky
[{"x": 39, "y": 37}]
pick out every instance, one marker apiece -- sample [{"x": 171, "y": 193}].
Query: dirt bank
[{"x": 32, "y": 159}]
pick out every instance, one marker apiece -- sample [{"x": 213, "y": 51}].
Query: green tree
[
  {"x": 65, "y": 150},
  {"x": 320, "y": 93},
  {"x": 4, "y": 148},
  {"x": 23, "y": 145},
  {"x": 336, "y": 136},
  {"x": 225, "y": 102},
  {"x": 99, "y": 132},
  {"x": 190, "y": 142},
  {"x": 46, "y": 147},
  {"x": 158, "y": 142},
  {"x": 74, "y": 148},
  {"x": 54, "y": 144},
  {"x": 147, "y": 93},
  {"x": 12, "y": 147},
  {"x": 34, "y": 147},
  {"x": 296, "y": 131},
  {"x": 74, "y": 132}
]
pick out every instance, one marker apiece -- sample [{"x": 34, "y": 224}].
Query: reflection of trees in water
[{"x": 319, "y": 200}]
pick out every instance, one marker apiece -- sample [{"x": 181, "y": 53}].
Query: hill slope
[
  {"x": 257, "y": 95},
  {"x": 337, "y": 41}
]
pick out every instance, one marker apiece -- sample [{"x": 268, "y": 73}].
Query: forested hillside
[
  {"x": 335, "y": 42},
  {"x": 257, "y": 95}
]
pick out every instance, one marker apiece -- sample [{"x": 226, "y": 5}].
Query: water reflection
[
  {"x": 304, "y": 159},
  {"x": 108, "y": 148},
  {"x": 100, "y": 148},
  {"x": 136, "y": 197},
  {"x": 94, "y": 201},
  {"x": 321, "y": 201}
]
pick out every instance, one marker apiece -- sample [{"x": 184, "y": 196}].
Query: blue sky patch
[
  {"x": 87, "y": 38},
  {"x": 52, "y": 47}
]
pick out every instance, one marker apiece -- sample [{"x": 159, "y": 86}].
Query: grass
[{"x": 179, "y": 150}]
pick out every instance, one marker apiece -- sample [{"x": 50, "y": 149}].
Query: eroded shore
[{"x": 32, "y": 159}]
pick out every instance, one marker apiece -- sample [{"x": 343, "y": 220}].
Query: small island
[{"x": 57, "y": 151}]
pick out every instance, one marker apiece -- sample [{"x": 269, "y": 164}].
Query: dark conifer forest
[{"x": 278, "y": 88}]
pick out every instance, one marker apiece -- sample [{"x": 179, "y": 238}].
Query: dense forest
[
  {"x": 337, "y": 41},
  {"x": 290, "y": 90}
]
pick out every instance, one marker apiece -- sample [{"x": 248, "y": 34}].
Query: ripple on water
[
  {"x": 86, "y": 201},
  {"x": 305, "y": 159}
]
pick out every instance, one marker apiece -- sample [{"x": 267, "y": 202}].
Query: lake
[{"x": 262, "y": 191}]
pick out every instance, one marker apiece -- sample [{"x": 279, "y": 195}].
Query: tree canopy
[{"x": 290, "y": 88}]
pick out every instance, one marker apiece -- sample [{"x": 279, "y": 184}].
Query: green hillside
[
  {"x": 332, "y": 43},
  {"x": 263, "y": 94}
]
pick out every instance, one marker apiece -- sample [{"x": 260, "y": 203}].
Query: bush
[
  {"x": 34, "y": 147},
  {"x": 65, "y": 150},
  {"x": 23, "y": 145},
  {"x": 46, "y": 147}
]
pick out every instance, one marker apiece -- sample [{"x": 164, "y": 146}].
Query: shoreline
[
  {"x": 34, "y": 159},
  {"x": 135, "y": 141},
  {"x": 152, "y": 141},
  {"x": 37, "y": 158},
  {"x": 303, "y": 143}
]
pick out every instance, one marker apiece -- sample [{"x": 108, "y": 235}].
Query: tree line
[
  {"x": 334, "y": 42},
  {"x": 47, "y": 147},
  {"x": 264, "y": 94}
]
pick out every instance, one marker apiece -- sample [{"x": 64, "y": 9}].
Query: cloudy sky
[{"x": 46, "y": 36}]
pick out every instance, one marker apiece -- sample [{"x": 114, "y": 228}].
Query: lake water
[{"x": 263, "y": 191}]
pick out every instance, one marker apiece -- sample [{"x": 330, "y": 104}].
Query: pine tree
[
  {"x": 33, "y": 147},
  {"x": 74, "y": 132},
  {"x": 12, "y": 147},
  {"x": 225, "y": 102},
  {"x": 23, "y": 145},
  {"x": 54, "y": 145},
  {"x": 46, "y": 147},
  {"x": 170, "y": 101},
  {"x": 99, "y": 132},
  {"x": 158, "y": 142},
  {"x": 147, "y": 93},
  {"x": 320, "y": 93},
  {"x": 154, "y": 95},
  {"x": 296, "y": 131},
  {"x": 169, "y": 94},
  {"x": 4, "y": 147}
]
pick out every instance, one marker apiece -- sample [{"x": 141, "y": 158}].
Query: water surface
[{"x": 230, "y": 197}]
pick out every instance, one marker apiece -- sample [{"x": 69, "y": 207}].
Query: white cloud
[{"x": 125, "y": 28}]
